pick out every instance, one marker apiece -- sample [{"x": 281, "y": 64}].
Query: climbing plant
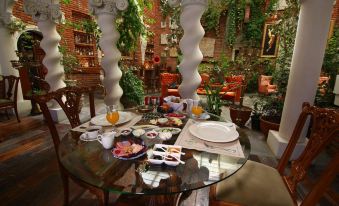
[
  {"x": 331, "y": 58},
  {"x": 253, "y": 30},
  {"x": 131, "y": 24},
  {"x": 287, "y": 26}
]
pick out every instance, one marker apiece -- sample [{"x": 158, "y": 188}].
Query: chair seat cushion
[
  {"x": 254, "y": 185},
  {"x": 5, "y": 101},
  {"x": 172, "y": 92}
]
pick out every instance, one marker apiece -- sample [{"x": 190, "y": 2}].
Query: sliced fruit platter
[
  {"x": 128, "y": 149},
  {"x": 179, "y": 116}
]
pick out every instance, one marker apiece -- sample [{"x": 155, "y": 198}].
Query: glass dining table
[{"x": 94, "y": 165}]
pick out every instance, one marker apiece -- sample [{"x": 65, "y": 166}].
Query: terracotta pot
[
  {"x": 240, "y": 115},
  {"x": 266, "y": 125}
]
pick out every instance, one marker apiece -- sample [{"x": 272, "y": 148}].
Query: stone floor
[{"x": 28, "y": 169}]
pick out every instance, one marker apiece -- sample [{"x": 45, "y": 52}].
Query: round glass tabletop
[{"x": 91, "y": 163}]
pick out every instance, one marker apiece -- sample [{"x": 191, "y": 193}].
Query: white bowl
[{"x": 138, "y": 132}]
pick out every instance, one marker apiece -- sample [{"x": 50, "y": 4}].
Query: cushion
[
  {"x": 172, "y": 85},
  {"x": 255, "y": 184}
]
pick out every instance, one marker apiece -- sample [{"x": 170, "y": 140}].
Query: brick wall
[
  {"x": 82, "y": 6},
  {"x": 79, "y": 6}
]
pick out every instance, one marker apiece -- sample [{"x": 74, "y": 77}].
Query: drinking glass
[
  {"x": 112, "y": 115},
  {"x": 197, "y": 108}
]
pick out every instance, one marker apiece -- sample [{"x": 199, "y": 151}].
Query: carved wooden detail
[
  {"x": 324, "y": 132},
  {"x": 69, "y": 98},
  {"x": 10, "y": 90}
]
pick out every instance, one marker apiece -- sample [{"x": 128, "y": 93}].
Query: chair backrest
[
  {"x": 324, "y": 131},
  {"x": 265, "y": 80},
  {"x": 205, "y": 79},
  {"x": 69, "y": 98},
  {"x": 168, "y": 78},
  {"x": 10, "y": 87}
]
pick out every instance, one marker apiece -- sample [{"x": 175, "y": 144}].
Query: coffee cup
[
  {"x": 93, "y": 131},
  {"x": 106, "y": 139}
]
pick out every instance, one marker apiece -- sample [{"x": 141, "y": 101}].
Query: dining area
[{"x": 140, "y": 156}]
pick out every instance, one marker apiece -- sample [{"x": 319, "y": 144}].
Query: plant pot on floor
[
  {"x": 269, "y": 123},
  {"x": 240, "y": 115},
  {"x": 255, "y": 122}
]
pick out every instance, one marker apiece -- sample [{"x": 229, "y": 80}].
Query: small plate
[
  {"x": 170, "y": 115},
  {"x": 84, "y": 137},
  {"x": 131, "y": 156},
  {"x": 173, "y": 130}
]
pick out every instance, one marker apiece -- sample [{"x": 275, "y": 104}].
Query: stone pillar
[
  {"x": 106, "y": 12},
  {"x": 47, "y": 14},
  {"x": 7, "y": 50},
  {"x": 192, "y": 11},
  {"x": 308, "y": 54}
]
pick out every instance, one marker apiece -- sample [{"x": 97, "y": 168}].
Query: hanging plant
[
  {"x": 132, "y": 24},
  {"x": 16, "y": 25}
]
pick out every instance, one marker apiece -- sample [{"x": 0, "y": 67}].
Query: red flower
[{"x": 156, "y": 60}]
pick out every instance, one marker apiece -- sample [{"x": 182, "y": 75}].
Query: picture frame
[
  {"x": 270, "y": 42},
  {"x": 164, "y": 39},
  {"x": 163, "y": 23},
  {"x": 330, "y": 32}
]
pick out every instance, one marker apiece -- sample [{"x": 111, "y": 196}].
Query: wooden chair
[
  {"x": 69, "y": 98},
  {"x": 265, "y": 86},
  {"x": 8, "y": 98},
  {"x": 258, "y": 184}
]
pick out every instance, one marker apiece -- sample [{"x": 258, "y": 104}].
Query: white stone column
[
  {"x": 7, "y": 51},
  {"x": 47, "y": 14},
  {"x": 106, "y": 12},
  {"x": 308, "y": 54},
  {"x": 192, "y": 11}
]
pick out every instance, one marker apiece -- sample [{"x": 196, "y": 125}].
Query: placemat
[
  {"x": 135, "y": 119},
  {"x": 187, "y": 140}
]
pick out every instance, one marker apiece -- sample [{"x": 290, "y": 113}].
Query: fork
[{"x": 215, "y": 147}]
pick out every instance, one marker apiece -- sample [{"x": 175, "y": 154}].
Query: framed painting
[{"x": 270, "y": 42}]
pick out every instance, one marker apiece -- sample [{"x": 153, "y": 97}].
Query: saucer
[{"x": 84, "y": 137}]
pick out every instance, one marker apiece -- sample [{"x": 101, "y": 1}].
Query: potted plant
[
  {"x": 272, "y": 111},
  {"x": 214, "y": 102},
  {"x": 240, "y": 114},
  {"x": 256, "y": 113},
  {"x": 133, "y": 89}
]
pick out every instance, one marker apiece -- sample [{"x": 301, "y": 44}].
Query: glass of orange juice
[
  {"x": 197, "y": 108},
  {"x": 112, "y": 114}
]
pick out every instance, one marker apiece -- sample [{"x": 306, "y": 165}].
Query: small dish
[
  {"x": 165, "y": 135},
  {"x": 203, "y": 116},
  {"x": 162, "y": 120},
  {"x": 126, "y": 132},
  {"x": 145, "y": 108},
  {"x": 172, "y": 130},
  {"x": 171, "y": 115},
  {"x": 151, "y": 134},
  {"x": 138, "y": 132}
]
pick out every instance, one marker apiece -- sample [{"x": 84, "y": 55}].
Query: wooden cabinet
[{"x": 85, "y": 46}]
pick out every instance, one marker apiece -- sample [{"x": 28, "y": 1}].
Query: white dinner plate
[
  {"x": 214, "y": 131},
  {"x": 101, "y": 120}
]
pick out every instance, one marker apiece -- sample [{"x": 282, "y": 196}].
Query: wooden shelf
[
  {"x": 84, "y": 44},
  {"x": 86, "y": 56},
  {"x": 82, "y": 32}
]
